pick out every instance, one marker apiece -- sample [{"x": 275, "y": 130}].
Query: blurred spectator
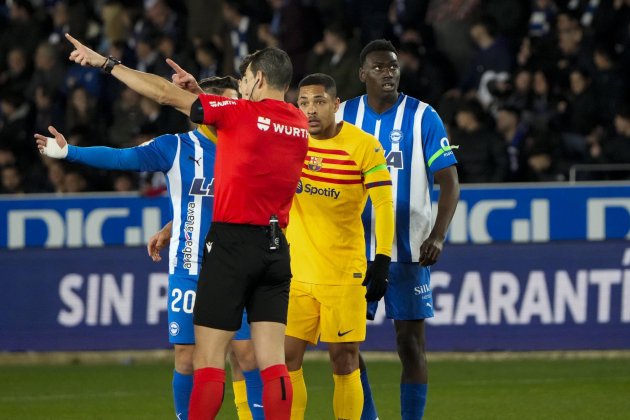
[
  {"x": 149, "y": 58},
  {"x": 406, "y": 14},
  {"x": 492, "y": 62},
  {"x": 82, "y": 111},
  {"x": 48, "y": 110},
  {"x": 615, "y": 148},
  {"x": 544, "y": 103},
  {"x": 573, "y": 50},
  {"x": 22, "y": 28},
  {"x": 56, "y": 175},
  {"x": 241, "y": 37},
  {"x": 579, "y": 115},
  {"x": 11, "y": 180},
  {"x": 159, "y": 20},
  {"x": 116, "y": 24},
  {"x": 371, "y": 16},
  {"x": 542, "y": 18},
  {"x": 74, "y": 181},
  {"x": 481, "y": 153},
  {"x": 125, "y": 182},
  {"x": 607, "y": 83},
  {"x": 337, "y": 57},
  {"x": 288, "y": 18},
  {"x": 49, "y": 71},
  {"x": 7, "y": 157},
  {"x": 160, "y": 120},
  {"x": 511, "y": 17},
  {"x": 419, "y": 75},
  {"x": 204, "y": 26},
  {"x": 514, "y": 93},
  {"x": 207, "y": 58},
  {"x": 127, "y": 118},
  {"x": 17, "y": 76},
  {"x": 530, "y": 157},
  {"x": 14, "y": 126}
]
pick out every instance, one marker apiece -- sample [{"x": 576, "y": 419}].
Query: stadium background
[{"x": 534, "y": 93}]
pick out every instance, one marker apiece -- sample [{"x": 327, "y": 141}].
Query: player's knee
[
  {"x": 247, "y": 359},
  {"x": 410, "y": 347},
  {"x": 344, "y": 359},
  {"x": 184, "y": 359}
]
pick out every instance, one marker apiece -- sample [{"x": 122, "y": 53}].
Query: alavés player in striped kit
[
  {"x": 187, "y": 160},
  {"x": 417, "y": 152}
]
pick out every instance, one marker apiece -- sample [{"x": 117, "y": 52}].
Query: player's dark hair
[
  {"x": 216, "y": 85},
  {"x": 376, "y": 45},
  {"x": 274, "y": 64},
  {"x": 320, "y": 79}
]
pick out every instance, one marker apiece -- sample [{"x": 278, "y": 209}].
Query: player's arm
[
  {"x": 447, "y": 203},
  {"x": 148, "y": 85},
  {"x": 378, "y": 182},
  {"x": 441, "y": 161},
  {"x": 130, "y": 159}
]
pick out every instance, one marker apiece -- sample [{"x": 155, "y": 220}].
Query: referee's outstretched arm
[{"x": 150, "y": 85}]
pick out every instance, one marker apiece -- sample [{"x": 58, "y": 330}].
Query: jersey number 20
[{"x": 183, "y": 301}]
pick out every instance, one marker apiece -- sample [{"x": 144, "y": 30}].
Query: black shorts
[{"x": 240, "y": 271}]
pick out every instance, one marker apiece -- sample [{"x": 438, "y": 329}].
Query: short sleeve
[
  {"x": 438, "y": 153},
  {"x": 214, "y": 110}
]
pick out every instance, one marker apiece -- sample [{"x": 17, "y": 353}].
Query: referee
[{"x": 262, "y": 143}]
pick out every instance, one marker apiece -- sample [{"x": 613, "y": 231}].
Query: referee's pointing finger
[
  {"x": 74, "y": 42},
  {"x": 175, "y": 67}
]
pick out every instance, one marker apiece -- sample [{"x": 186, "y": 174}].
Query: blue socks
[
  {"x": 182, "y": 387},
  {"x": 254, "y": 385},
  {"x": 369, "y": 410},
  {"x": 413, "y": 398}
]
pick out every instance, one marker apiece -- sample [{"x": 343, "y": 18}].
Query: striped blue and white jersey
[
  {"x": 187, "y": 160},
  {"x": 416, "y": 146}
]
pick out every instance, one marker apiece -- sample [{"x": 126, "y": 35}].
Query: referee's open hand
[{"x": 376, "y": 278}]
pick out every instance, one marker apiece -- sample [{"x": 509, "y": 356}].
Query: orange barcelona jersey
[{"x": 325, "y": 229}]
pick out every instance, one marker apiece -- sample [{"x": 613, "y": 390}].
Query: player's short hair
[
  {"x": 216, "y": 85},
  {"x": 274, "y": 64},
  {"x": 320, "y": 79},
  {"x": 376, "y": 45}
]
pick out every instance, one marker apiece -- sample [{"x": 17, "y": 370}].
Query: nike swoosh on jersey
[{"x": 341, "y": 334}]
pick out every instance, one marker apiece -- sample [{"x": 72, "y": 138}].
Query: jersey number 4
[{"x": 394, "y": 159}]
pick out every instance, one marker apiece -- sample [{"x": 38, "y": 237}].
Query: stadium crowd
[{"x": 526, "y": 89}]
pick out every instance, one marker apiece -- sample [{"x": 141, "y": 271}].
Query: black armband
[{"x": 196, "y": 112}]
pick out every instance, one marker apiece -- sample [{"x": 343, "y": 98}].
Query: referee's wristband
[{"x": 109, "y": 64}]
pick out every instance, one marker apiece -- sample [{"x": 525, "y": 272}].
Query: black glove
[{"x": 376, "y": 278}]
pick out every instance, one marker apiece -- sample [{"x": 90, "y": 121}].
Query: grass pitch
[{"x": 594, "y": 388}]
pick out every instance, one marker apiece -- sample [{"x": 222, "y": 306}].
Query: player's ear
[
  {"x": 337, "y": 102},
  {"x": 361, "y": 74}
]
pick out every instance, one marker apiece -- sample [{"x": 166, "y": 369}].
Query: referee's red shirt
[{"x": 260, "y": 153}]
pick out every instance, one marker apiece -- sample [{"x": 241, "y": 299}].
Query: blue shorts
[
  {"x": 181, "y": 300},
  {"x": 408, "y": 295}
]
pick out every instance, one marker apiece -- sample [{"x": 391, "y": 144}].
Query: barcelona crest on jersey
[{"x": 315, "y": 164}]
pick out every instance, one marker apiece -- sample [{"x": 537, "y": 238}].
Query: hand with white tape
[{"x": 56, "y": 148}]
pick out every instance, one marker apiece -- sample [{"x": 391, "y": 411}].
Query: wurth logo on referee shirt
[
  {"x": 264, "y": 124},
  {"x": 215, "y": 104}
]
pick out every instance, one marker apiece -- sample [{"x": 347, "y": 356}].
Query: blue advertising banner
[
  {"x": 488, "y": 214},
  {"x": 560, "y": 296}
]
